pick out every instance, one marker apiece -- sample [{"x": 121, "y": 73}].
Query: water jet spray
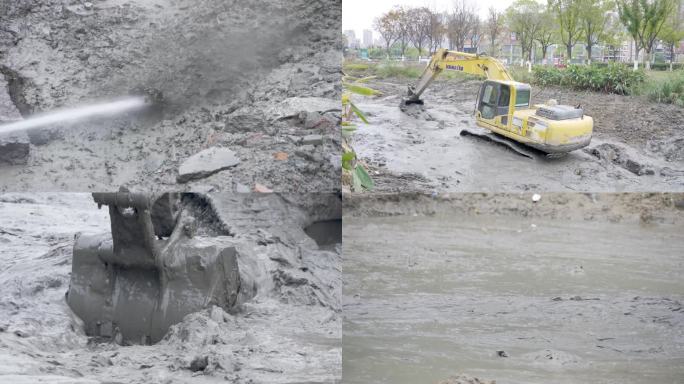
[
  {"x": 73, "y": 114},
  {"x": 14, "y": 144}
]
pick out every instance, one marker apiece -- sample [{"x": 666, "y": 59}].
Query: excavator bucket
[{"x": 132, "y": 284}]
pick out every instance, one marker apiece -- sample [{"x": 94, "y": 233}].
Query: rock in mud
[
  {"x": 312, "y": 140},
  {"x": 463, "y": 379},
  {"x": 667, "y": 171},
  {"x": 206, "y": 163},
  {"x": 199, "y": 363},
  {"x": 14, "y": 149}
]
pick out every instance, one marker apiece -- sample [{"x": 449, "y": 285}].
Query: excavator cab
[{"x": 497, "y": 100}]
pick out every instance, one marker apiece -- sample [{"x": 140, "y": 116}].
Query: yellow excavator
[{"x": 503, "y": 105}]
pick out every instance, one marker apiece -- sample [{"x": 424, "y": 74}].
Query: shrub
[{"x": 611, "y": 78}]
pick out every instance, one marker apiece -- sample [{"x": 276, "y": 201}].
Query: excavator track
[{"x": 521, "y": 149}]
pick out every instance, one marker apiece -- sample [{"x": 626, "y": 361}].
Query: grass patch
[
  {"x": 664, "y": 87},
  {"x": 393, "y": 69}
]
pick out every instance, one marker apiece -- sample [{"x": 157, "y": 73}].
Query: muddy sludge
[
  {"x": 509, "y": 290},
  {"x": 286, "y": 326},
  {"x": 244, "y": 91},
  {"x": 423, "y": 151}
]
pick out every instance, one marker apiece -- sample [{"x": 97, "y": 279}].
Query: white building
[{"x": 367, "y": 38}]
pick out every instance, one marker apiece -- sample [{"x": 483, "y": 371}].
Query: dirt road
[
  {"x": 256, "y": 77},
  {"x": 289, "y": 332},
  {"x": 637, "y": 146},
  {"x": 580, "y": 288}
]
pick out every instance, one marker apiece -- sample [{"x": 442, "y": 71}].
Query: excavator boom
[{"x": 444, "y": 59}]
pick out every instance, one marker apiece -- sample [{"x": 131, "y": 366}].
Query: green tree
[
  {"x": 524, "y": 18},
  {"x": 547, "y": 33},
  {"x": 644, "y": 20},
  {"x": 568, "y": 17},
  {"x": 593, "y": 22},
  {"x": 673, "y": 31},
  {"x": 614, "y": 34}
]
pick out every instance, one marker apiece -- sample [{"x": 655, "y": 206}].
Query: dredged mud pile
[
  {"x": 574, "y": 288},
  {"x": 288, "y": 331},
  {"x": 637, "y": 145},
  {"x": 256, "y": 77}
]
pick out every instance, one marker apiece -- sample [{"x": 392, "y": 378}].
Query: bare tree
[
  {"x": 494, "y": 27},
  {"x": 403, "y": 25},
  {"x": 435, "y": 31},
  {"x": 460, "y": 23},
  {"x": 474, "y": 35},
  {"x": 418, "y": 29},
  {"x": 388, "y": 28}
]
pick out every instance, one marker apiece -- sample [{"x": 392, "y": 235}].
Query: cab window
[
  {"x": 488, "y": 101},
  {"x": 522, "y": 98},
  {"x": 505, "y": 96}
]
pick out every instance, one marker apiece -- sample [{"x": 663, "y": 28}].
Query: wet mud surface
[
  {"x": 434, "y": 288},
  {"x": 289, "y": 331},
  {"x": 255, "y": 77},
  {"x": 637, "y": 145}
]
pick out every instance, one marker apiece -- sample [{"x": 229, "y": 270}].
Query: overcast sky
[{"x": 359, "y": 14}]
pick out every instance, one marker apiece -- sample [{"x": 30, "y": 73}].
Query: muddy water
[
  {"x": 566, "y": 302},
  {"x": 429, "y": 144}
]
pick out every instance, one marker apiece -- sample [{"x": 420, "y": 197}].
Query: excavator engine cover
[
  {"x": 559, "y": 112},
  {"x": 150, "y": 272}
]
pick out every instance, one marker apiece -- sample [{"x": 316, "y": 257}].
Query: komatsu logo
[{"x": 454, "y": 67}]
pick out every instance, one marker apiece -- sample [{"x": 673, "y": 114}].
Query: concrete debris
[
  {"x": 260, "y": 188},
  {"x": 205, "y": 163}
]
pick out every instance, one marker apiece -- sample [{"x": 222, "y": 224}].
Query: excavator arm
[{"x": 444, "y": 59}]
